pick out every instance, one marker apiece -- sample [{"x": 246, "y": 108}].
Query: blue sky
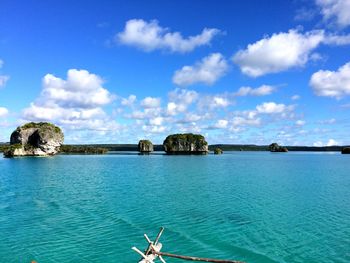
[{"x": 235, "y": 71}]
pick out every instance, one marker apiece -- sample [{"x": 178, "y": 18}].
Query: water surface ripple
[{"x": 254, "y": 207}]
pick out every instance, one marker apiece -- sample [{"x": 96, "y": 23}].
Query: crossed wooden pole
[{"x": 153, "y": 252}]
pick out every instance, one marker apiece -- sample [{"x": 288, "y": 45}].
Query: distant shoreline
[{"x": 224, "y": 147}]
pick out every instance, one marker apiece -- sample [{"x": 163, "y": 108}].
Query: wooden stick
[
  {"x": 149, "y": 248},
  {"x": 158, "y": 236},
  {"x": 195, "y": 258}
]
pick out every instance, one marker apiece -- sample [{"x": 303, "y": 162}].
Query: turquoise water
[{"x": 249, "y": 206}]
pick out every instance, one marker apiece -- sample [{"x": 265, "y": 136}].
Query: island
[
  {"x": 145, "y": 146},
  {"x": 345, "y": 150},
  {"x": 82, "y": 149},
  {"x": 274, "y": 147},
  {"x": 35, "y": 139},
  {"x": 218, "y": 151},
  {"x": 187, "y": 143}
]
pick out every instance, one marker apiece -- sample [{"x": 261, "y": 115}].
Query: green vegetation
[
  {"x": 218, "y": 151},
  {"x": 41, "y": 126},
  {"x": 345, "y": 150},
  {"x": 10, "y": 149},
  {"x": 186, "y": 137},
  {"x": 82, "y": 149},
  {"x": 146, "y": 142},
  {"x": 274, "y": 147},
  {"x": 3, "y": 147}
]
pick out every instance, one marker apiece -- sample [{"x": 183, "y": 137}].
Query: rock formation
[
  {"x": 35, "y": 139},
  {"x": 274, "y": 147},
  {"x": 345, "y": 150},
  {"x": 185, "y": 144},
  {"x": 218, "y": 151},
  {"x": 145, "y": 146}
]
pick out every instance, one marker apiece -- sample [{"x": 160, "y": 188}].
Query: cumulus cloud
[
  {"x": 212, "y": 102},
  {"x": 3, "y": 112},
  {"x": 272, "y": 108},
  {"x": 150, "y": 36},
  {"x": 221, "y": 124},
  {"x": 260, "y": 91},
  {"x": 332, "y": 83},
  {"x": 278, "y": 53},
  {"x": 150, "y": 102},
  {"x": 335, "y": 11},
  {"x": 180, "y": 100},
  {"x": 81, "y": 89},
  {"x": 75, "y": 102},
  {"x": 207, "y": 71}
]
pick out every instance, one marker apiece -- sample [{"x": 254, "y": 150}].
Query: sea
[{"x": 257, "y": 207}]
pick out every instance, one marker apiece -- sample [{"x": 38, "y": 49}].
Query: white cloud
[
  {"x": 207, "y": 71},
  {"x": 190, "y": 118},
  {"x": 3, "y": 112},
  {"x": 154, "y": 129},
  {"x": 300, "y": 122},
  {"x": 332, "y": 83},
  {"x": 336, "y": 11},
  {"x": 156, "y": 121},
  {"x": 3, "y": 78},
  {"x": 295, "y": 97},
  {"x": 260, "y": 91},
  {"x": 180, "y": 100},
  {"x": 329, "y": 121},
  {"x": 150, "y": 102},
  {"x": 74, "y": 103},
  {"x": 150, "y": 36},
  {"x": 331, "y": 142},
  {"x": 278, "y": 53},
  {"x": 337, "y": 40},
  {"x": 241, "y": 121},
  {"x": 318, "y": 144},
  {"x": 81, "y": 89},
  {"x": 211, "y": 102},
  {"x": 221, "y": 124},
  {"x": 129, "y": 101},
  {"x": 272, "y": 108}
]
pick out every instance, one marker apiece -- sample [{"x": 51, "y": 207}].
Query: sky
[{"x": 238, "y": 72}]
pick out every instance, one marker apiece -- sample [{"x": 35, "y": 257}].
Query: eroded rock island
[
  {"x": 35, "y": 139},
  {"x": 274, "y": 147},
  {"x": 145, "y": 146},
  {"x": 185, "y": 144}
]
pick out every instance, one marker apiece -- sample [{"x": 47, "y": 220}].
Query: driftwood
[
  {"x": 196, "y": 258},
  {"x": 153, "y": 252}
]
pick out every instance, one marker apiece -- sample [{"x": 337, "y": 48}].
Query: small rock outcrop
[
  {"x": 274, "y": 147},
  {"x": 345, "y": 150},
  {"x": 218, "y": 151},
  {"x": 145, "y": 146},
  {"x": 35, "y": 139},
  {"x": 185, "y": 144}
]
